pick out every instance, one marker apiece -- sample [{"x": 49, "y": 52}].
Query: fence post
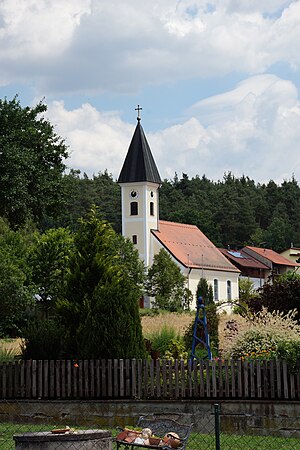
[{"x": 217, "y": 425}]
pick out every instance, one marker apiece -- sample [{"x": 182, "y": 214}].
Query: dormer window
[{"x": 134, "y": 208}]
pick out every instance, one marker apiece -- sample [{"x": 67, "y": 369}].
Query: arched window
[
  {"x": 134, "y": 208},
  {"x": 228, "y": 290},
  {"x": 216, "y": 290},
  {"x": 151, "y": 209}
]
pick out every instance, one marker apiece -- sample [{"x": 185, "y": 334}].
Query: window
[
  {"x": 228, "y": 290},
  {"x": 134, "y": 239},
  {"x": 134, "y": 208},
  {"x": 151, "y": 209},
  {"x": 216, "y": 290}
]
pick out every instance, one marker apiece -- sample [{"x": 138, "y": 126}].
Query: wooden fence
[{"x": 144, "y": 379}]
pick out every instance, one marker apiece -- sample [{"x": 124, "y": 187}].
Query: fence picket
[
  {"x": 139, "y": 378},
  {"x": 176, "y": 379},
  {"x": 233, "y": 374},
  {"x": 122, "y": 384},
  {"x": 252, "y": 379},
  {"x": 103, "y": 378},
  {"x": 246, "y": 379},
  {"x": 109, "y": 378},
  {"x": 182, "y": 378},
  {"x": 258, "y": 377},
  {"x": 164, "y": 378},
  {"x": 214, "y": 379},
  {"x": 272, "y": 378},
  {"x": 157, "y": 378},
  {"x": 69, "y": 378},
  {"x": 22, "y": 379},
  {"x": 239, "y": 378},
  {"x": 207, "y": 367},
  {"x": 28, "y": 379},
  {"x": 116, "y": 379},
  {"x": 278, "y": 378}
]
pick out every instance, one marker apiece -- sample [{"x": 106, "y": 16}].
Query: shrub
[
  {"x": 6, "y": 355},
  {"x": 272, "y": 335},
  {"x": 160, "y": 341},
  {"x": 43, "y": 339},
  {"x": 283, "y": 295},
  {"x": 177, "y": 350}
]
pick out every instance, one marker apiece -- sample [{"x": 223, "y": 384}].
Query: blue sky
[{"x": 218, "y": 81}]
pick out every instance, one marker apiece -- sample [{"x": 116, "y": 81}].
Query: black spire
[{"x": 139, "y": 164}]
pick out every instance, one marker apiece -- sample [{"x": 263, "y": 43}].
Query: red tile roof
[
  {"x": 243, "y": 260},
  {"x": 272, "y": 256},
  {"x": 191, "y": 247}
]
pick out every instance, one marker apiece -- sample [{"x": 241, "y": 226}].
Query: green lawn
[{"x": 196, "y": 441}]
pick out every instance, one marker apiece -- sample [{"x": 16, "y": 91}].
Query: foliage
[
  {"x": 43, "y": 339},
  {"x": 160, "y": 341},
  {"x": 166, "y": 283},
  {"x": 212, "y": 325},
  {"x": 283, "y": 295},
  {"x": 49, "y": 260},
  {"x": 16, "y": 290},
  {"x": 270, "y": 335},
  {"x": 177, "y": 350},
  {"x": 205, "y": 291},
  {"x": 100, "y": 306},
  {"x": 232, "y": 211},
  {"x": 6, "y": 355},
  {"x": 31, "y": 164},
  {"x": 247, "y": 294}
]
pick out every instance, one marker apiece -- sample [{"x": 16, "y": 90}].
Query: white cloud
[
  {"x": 96, "y": 45},
  {"x": 253, "y": 130},
  {"x": 96, "y": 140}
]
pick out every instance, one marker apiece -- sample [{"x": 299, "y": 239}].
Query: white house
[{"x": 195, "y": 254}]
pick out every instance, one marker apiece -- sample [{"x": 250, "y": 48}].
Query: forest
[{"x": 232, "y": 212}]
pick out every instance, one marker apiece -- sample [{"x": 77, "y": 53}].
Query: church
[{"x": 194, "y": 253}]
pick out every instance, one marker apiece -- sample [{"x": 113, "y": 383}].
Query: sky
[{"x": 218, "y": 81}]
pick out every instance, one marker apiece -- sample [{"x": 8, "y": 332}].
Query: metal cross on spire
[{"x": 138, "y": 109}]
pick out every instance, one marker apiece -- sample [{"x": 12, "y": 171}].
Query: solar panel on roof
[{"x": 236, "y": 254}]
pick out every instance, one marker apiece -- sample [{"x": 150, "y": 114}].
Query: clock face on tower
[{"x": 134, "y": 194}]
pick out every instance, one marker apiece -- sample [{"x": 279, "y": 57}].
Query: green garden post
[{"x": 217, "y": 425}]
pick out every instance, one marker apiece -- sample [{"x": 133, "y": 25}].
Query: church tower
[{"x": 139, "y": 180}]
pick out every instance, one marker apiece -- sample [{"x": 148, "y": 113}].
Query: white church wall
[{"x": 222, "y": 279}]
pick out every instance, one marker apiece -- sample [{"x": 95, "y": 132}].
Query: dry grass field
[
  {"x": 11, "y": 345},
  {"x": 228, "y": 326},
  {"x": 179, "y": 321}
]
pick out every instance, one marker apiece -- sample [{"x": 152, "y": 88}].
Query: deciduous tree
[{"x": 31, "y": 164}]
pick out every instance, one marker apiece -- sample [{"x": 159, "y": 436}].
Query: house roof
[
  {"x": 191, "y": 247},
  {"x": 272, "y": 256},
  {"x": 139, "y": 164},
  {"x": 243, "y": 260}
]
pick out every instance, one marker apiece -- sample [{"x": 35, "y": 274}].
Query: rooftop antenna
[{"x": 138, "y": 109}]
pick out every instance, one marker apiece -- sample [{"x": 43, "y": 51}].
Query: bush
[
  {"x": 161, "y": 341},
  {"x": 43, "y": 339},
  {"x": 272, "y": 335},
  {"x": 283, "y": 295},
  {"x": 177, "y": 350},
  {"x": 6, "y": 355}
]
